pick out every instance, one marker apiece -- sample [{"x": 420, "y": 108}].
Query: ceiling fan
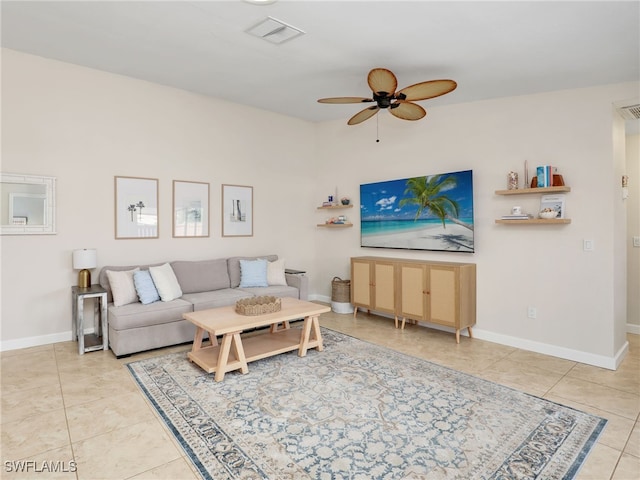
[{"x": 383, "y": 84}]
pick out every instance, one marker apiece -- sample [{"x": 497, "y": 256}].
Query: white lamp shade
[{"x": 85, "y": 258}]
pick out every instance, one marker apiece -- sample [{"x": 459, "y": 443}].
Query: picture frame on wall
[
  {"x": 190, "y": 209},
  {"x": 136, "y": 207},
  {"x": 237, "y": 211}
]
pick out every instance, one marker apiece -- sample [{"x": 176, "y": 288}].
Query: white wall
[
  {"x": 633, "y": 229},
  {"x": 85, "y": 127},
  {"x": 518, "y": 266}
]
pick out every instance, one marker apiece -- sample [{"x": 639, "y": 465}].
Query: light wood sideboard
[{"x": 443, "y": 293}]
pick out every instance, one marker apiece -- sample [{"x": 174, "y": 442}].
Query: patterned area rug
[{"x": 360, "y": 411}]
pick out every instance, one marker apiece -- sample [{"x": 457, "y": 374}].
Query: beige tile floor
[{"x": 60, "y": 409}]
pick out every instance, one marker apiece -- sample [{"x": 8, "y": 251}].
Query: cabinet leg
[
  {"x": 396, "y": 320},
  {"x": 355, "y": 311},
  {"x": 470, "y": 332},
  {"x": 403, "y": 322},
  {"x": 458, "y": 336}
]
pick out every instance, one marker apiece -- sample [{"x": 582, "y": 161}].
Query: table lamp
[{"x": 83, "y": 260}]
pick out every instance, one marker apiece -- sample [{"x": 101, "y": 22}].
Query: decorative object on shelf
[
  {"x": 83, "y": 260},
  {"x": 548, "y": 213},
  {"x": 516, "y": 210},
  {"x": 625, "y": 187},
  {"x": 190, "y": 209},
  {"x": 554, "y": 203},
  {"x": 526, "y": 174},
  {"x": 345, "y": 201},
  {"x": 545, "y": 176},
  {"x": 237, "y": 211},
  {"x": 558, "y": 181},
  {"x": 383, "y": 84},
  {"x": 337, "y": 220},
  {"x": 512, "y": 181},
  {"x": 258, "y": 305},
  {"x": 555, "y": 200},
  {"x": 136, "y": 207}
]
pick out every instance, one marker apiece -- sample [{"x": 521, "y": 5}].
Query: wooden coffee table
[{"x": 235, "y": 352}]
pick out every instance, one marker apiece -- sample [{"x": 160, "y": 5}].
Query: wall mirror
[{"x": 27, "y": 204}]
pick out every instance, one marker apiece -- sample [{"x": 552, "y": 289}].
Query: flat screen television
[{"x": 434, "y": 212}]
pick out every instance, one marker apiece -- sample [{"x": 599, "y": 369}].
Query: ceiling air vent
[
  {"x": 629, "y": 110},
  {"x": 274, "y": 31}
]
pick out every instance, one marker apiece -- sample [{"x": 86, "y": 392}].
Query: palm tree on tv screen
[{"x": 427, "y": 194}]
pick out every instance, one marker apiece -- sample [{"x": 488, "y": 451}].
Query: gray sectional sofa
[{"x": 205, "y": 284}]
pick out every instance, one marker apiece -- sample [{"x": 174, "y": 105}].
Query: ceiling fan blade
[
  {"x": 382, "y": 80},
  {"x": 407, "y": 111},
  {"x": 345, "y": 100},
  {"x": 363, "y": 115},
  {"x": 424, "y": 90}
]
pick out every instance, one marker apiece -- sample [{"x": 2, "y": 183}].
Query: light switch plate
[
  {"x": 587, "y": 245},
  {"x": 636, "y": 241}
]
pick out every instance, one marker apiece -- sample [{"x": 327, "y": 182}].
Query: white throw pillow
[
  {"x": 123, "y": 289},
  {"x": 275, "y": 273},
  {"x": 166, "y": 282}
]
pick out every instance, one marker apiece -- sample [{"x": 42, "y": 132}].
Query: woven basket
[
  {"x": 340, "y": 290},
  {"x": 258, "y": 305}
]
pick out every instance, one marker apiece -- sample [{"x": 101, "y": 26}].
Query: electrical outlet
[
  {"x": 587, "y": 245},
  {"x": 532, "y": 312}
]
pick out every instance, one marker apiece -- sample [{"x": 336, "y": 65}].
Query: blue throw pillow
[
  {"x": 253, "y": 273},
  {"x": 145, "y": 288}
]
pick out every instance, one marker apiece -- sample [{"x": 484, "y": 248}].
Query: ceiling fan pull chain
[{"x": 377, "y": 128}]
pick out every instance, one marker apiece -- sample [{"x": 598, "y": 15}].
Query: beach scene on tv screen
[{"x": 433, "y": 212}]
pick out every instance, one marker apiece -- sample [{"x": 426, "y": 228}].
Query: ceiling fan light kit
[{"x": 383, "y": 84}]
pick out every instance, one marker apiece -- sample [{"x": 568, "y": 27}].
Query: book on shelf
[
  {"x": 544, "y": 175},
  {"x": 555, "y": 202},
  {"x": 523, "y": 216}
]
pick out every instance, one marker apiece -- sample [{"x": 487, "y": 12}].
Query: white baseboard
[
  {"x": 27, "y": 342},
  {"x": 602, "y": 361},
  {"x": 633, "y": 328}
]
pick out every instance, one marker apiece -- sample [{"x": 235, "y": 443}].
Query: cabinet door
[
  {"x": 361, "y": 273},
  {"x": 443, "y": 293},
  {"x": 413, "y": 286},
  {"x": 384, "y": 287}
]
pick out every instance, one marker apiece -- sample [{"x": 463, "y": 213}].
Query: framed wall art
[
  {"x": 237, "y": 211},
  {"x": 136, "y": 207},
  {"x": 190, "y": 209}
]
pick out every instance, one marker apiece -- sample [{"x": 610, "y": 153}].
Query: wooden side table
[{"x": 99, "y": 339}]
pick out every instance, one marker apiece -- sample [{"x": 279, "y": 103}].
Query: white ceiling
[{"x": 492, "y": 49}]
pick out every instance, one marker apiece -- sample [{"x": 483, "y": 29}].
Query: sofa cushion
[
  {"x": 122, "y": 286},
  {"x": 103, "y": 279},
  {"x": 201, "y": 276},
  {"x": 253, "y": 273},
  {"x": 216, "y": 298},
  {"x": 275, "y": 273},
  {"x": 276, "y": 291},
  {"x": 166, "y": 282},
  {"x": 146, "y": 289},
  {"x": 233, "y": 264},
  {"x": 138, "y": 315}
]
